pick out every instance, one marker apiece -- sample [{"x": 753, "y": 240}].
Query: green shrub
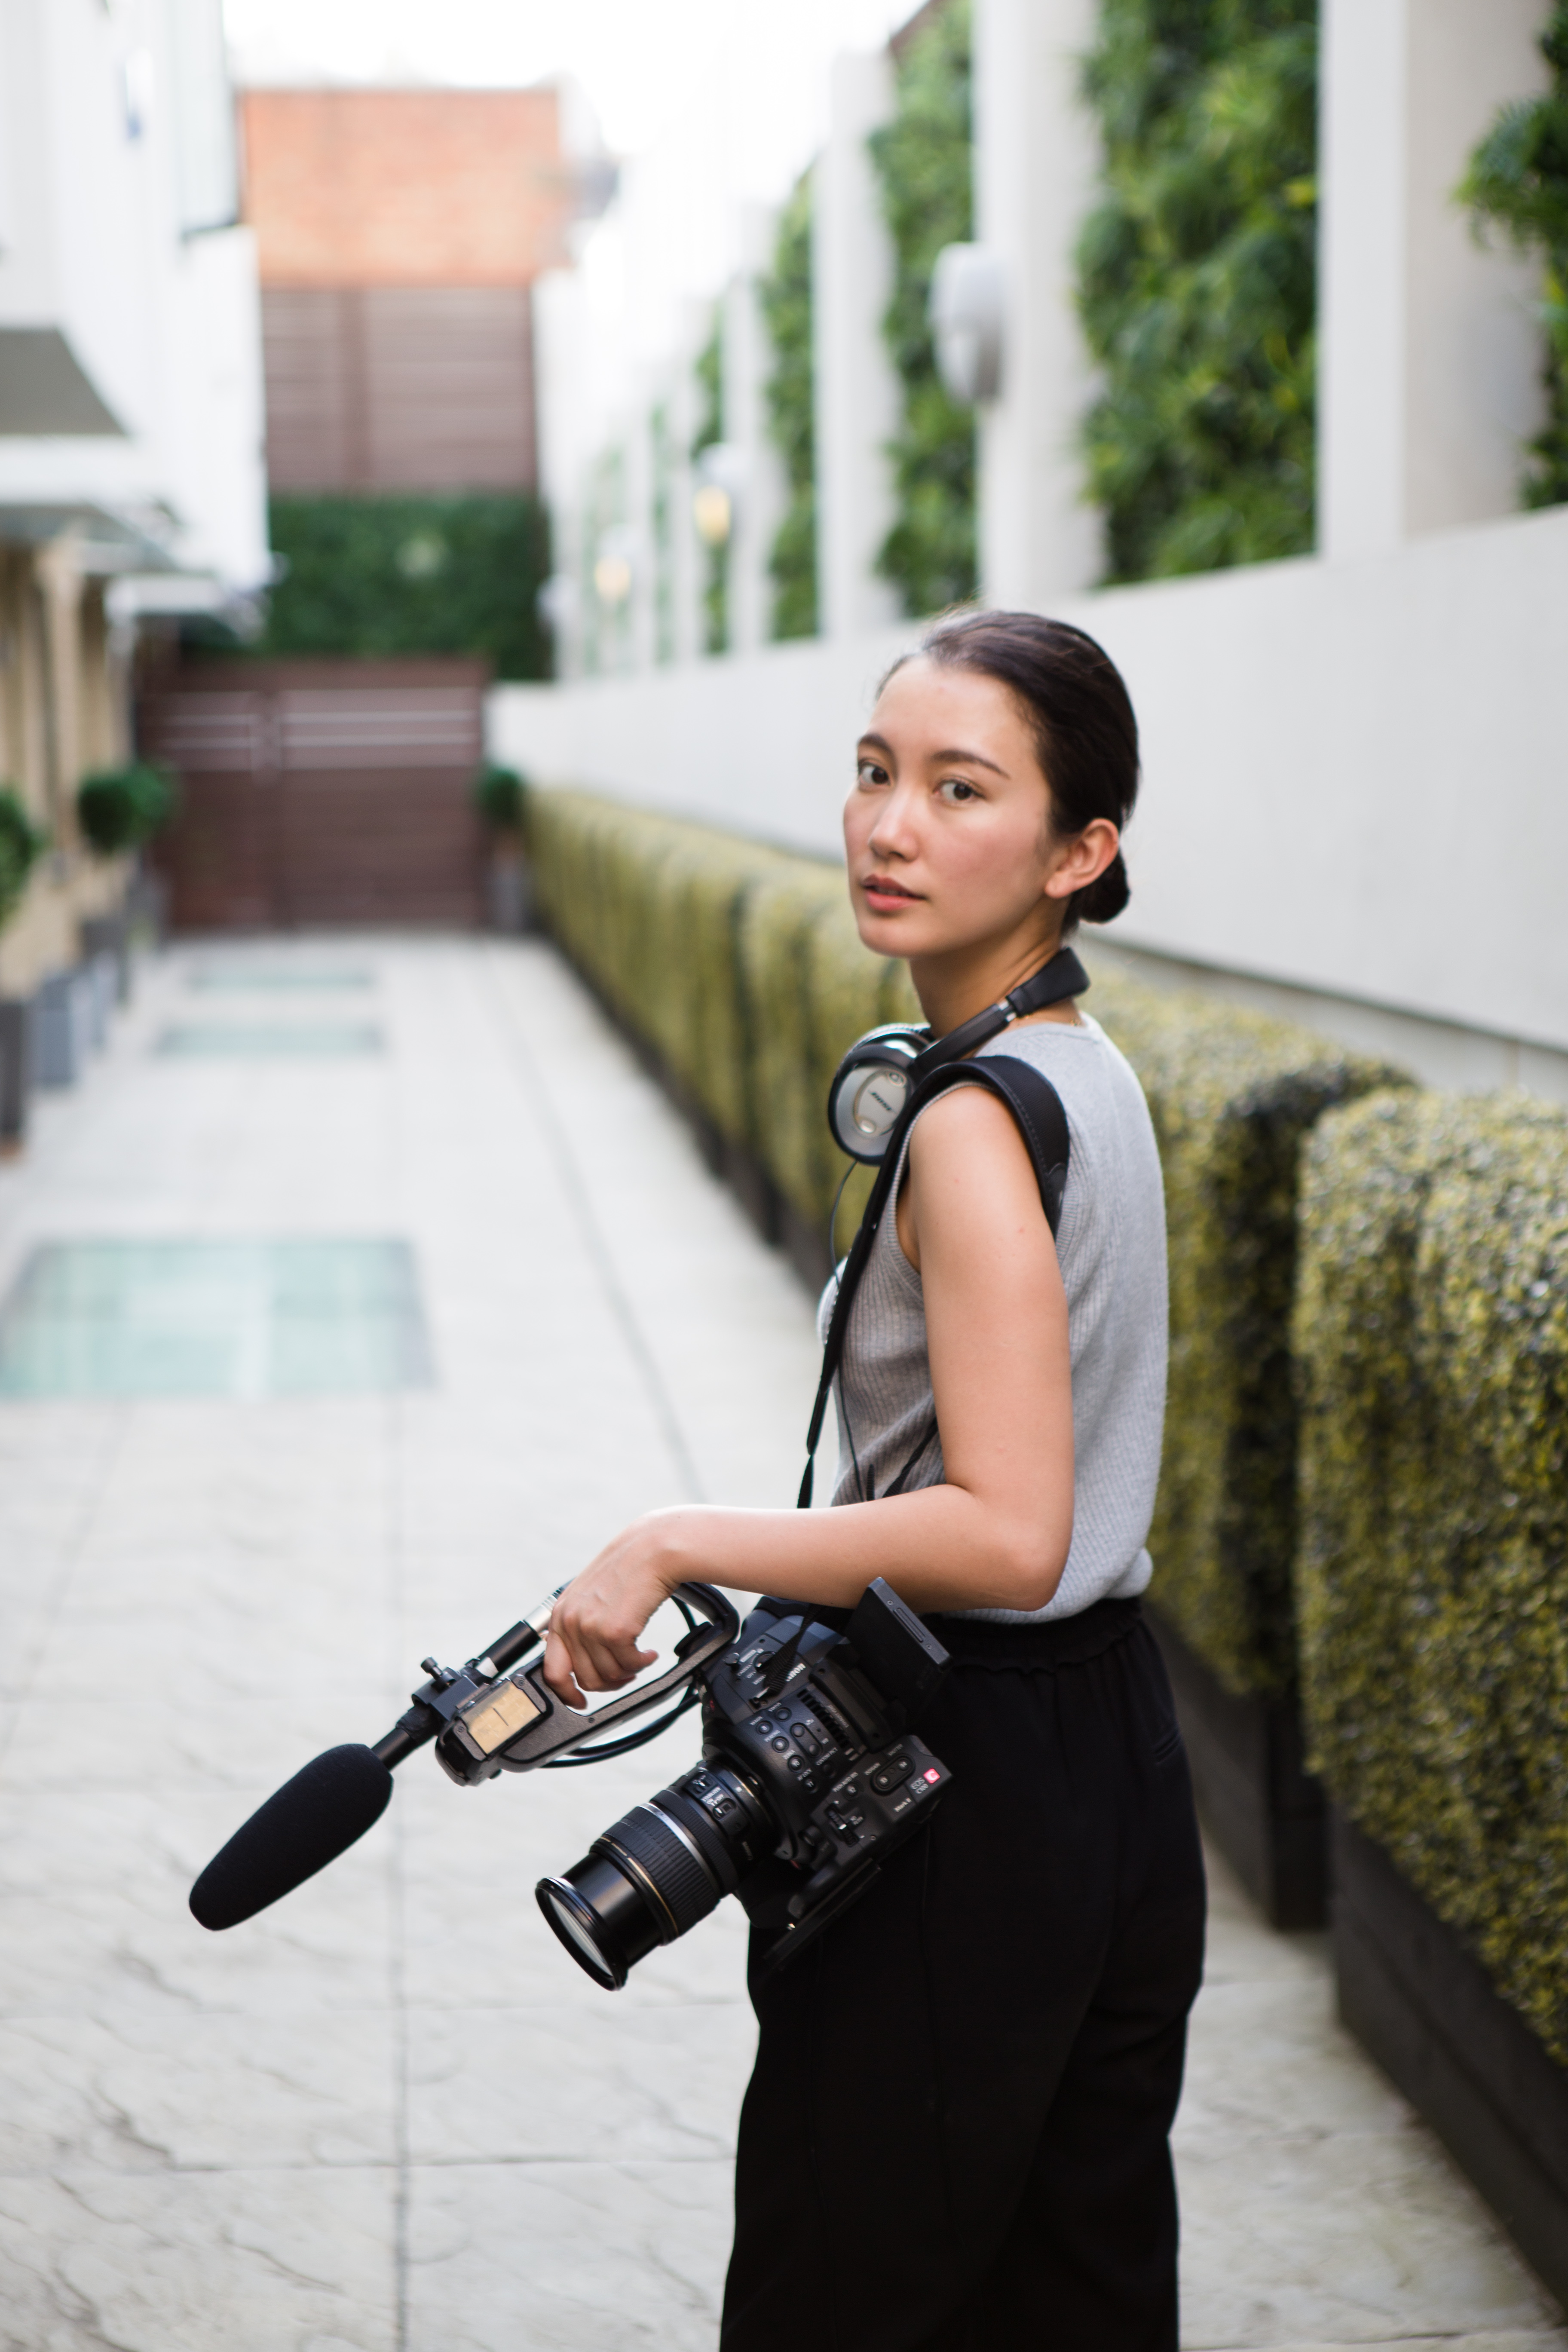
[
  {"x": 119, "y": 808},
  {"x": 785, "y": 296},
  {"x": 1232, "y": 1096},
  {"x": 1197, "y": 282},
  {"x": 411, "y": 575},
  {"x": 923, "y": 161},
  {"x": 1518, "y": 177},
  {"x": 1432, "y": 1335},
  {"x": 498, "y": 798},
  {"x": 22, "y": 844}
]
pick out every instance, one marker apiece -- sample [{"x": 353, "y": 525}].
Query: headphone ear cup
[{"x": 869, "y": 1089}]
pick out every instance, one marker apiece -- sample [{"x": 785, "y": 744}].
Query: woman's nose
[{"x": 892, "y": 834}]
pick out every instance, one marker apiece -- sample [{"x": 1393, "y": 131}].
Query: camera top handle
[{"x": 487, "y": 1718}]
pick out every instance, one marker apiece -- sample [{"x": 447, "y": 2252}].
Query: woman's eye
[
  {"x": 872, "y": 772},
  {"x": 954, "y": 790}
]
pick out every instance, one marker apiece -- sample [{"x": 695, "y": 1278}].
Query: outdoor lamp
[
  {"x": 721, "y": 477},
  {"x": 967, "y": 314},
  {"x": 615, "y": 567}
]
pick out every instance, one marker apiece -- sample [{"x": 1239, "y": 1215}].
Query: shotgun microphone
[{"x": 305, "y": 1825}]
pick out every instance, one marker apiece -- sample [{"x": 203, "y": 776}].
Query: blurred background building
[{"x": 130, "y": 414}]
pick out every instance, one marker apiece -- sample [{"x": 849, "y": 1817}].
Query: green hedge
[
  {"x": 740, "y": 966},
  {"x": 787, "y": 300},
  {"x": 1233, "y": 1096},
  {"x": 1432, "y": 1335}
]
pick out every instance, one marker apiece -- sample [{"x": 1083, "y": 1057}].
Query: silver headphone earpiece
[{"x": 870, "y": 1087}]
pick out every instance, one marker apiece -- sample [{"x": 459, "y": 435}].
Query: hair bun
[{"x": 1106, "y": 896}]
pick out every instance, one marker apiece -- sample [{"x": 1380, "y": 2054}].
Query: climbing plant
[
  {"x": 923, "y": 163},
  {"x": 710, "y": 372},
  {"x": 1518, "y": 178},
  {"x": 1197, "y": 282},
  {"x": 785, "y": 296},
  {"x": 409, "y": 576}
]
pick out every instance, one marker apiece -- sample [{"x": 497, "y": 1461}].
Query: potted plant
[
  {"x": 501, "y": 798},
  {"x": 22, "y": 844}
]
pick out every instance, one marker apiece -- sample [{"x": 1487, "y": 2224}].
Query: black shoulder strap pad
[{"x": 1043, "y": 1124}]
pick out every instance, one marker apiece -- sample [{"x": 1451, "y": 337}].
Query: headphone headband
[{"x": 874, "y": 1080}]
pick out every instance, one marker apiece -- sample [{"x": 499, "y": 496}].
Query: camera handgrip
[{"x": 556, "y": 1727}]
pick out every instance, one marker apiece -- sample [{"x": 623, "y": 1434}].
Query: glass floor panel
[
  {"x": 303, "y": 978},
  {"x": 272, "y": 1041},
  {"x": 213, "y": 1319}
]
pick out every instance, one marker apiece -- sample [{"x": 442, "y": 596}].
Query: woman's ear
[{"x": 1082, "y": 858}]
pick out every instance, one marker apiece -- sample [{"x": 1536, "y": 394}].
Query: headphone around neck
[{"x": 873, "y": 1081}]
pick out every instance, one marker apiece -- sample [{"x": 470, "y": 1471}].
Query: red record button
[{"x": 933, "y": 1774}]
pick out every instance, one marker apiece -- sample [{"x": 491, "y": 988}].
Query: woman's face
[{"x": 947, "y": 830}]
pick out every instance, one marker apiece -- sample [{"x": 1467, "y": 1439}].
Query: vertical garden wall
[
  {"x": 923, "y": 162},
  {"x": 1197, "y": 282},
  {"x": 785, "y": 296}
]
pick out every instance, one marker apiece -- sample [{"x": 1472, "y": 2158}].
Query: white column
[
  {"x": 1429, "y": 355},
  {"x": 1035, "y": 158},
  {"x": 760, "y": 505},
  {"x": 688, "y": 555},
  {"x": 638, "y": 447},
  {"x": 856, "y": 390}
]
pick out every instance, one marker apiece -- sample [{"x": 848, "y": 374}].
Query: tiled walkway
[{"x": 390, "y": 2116}]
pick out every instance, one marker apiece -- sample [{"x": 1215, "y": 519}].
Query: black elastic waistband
[
  {"x": 1060, "y": 1642},
  {"x": 979, "y": 1642}
]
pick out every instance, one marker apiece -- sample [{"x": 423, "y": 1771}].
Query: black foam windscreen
[{"x": 308, "y": 1822}]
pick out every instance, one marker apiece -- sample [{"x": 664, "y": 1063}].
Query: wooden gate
[{"x": 320, "y": 792}]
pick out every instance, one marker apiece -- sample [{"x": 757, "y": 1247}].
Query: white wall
[
  {"x": 1430, "y": 349},
  {"x": 1354, "y": 772},
  {"x": 165, "y": 326},
  {"x": 1035, "y": 158},
  {"x": 857, "y": 391}
]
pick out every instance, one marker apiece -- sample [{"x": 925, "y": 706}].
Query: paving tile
[{"x": 568, "y": 2257}]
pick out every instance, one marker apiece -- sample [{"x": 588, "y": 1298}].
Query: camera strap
[{"x": 1036, "y": 1108}]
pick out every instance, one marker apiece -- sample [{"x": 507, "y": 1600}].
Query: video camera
[{"x": 810, "y": 1776}]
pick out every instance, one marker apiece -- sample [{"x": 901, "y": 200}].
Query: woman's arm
[{"x": 995, "y": 1533}]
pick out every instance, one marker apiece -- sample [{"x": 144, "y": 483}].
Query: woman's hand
[{"x": 594, "y": 1627}]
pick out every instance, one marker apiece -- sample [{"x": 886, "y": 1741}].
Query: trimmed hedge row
[
  {"x": 1432, "y": 1337},
  {"x": 1233, "y": 1096},
  {"x": 740, "y": 967}
]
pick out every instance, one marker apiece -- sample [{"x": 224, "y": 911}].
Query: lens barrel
[
  {"x": 656, "y": 1871},
  {"x": 643, "y": 1882}
]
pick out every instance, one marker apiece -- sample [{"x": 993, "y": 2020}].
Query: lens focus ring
[{"x": 667, "y": 1867}]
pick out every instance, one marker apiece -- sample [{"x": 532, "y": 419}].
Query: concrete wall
[
  {"x": 1354, "y": 772},
  {"x": 1430, "y": 349}
]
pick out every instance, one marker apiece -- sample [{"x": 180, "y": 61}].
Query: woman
[{"x": 956, "y": 2133}]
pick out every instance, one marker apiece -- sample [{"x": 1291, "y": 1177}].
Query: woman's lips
[{"x": 886, "y": 893}]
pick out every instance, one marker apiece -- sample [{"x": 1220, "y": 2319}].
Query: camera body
[{"x": 808, "y": 1765}]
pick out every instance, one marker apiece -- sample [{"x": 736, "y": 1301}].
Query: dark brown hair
[{"x": 1086, "y": 736}]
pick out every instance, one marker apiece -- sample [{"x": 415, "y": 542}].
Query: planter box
[
  {"x": 1416, "y": 1997},
  {"x": 15, "y": 1069},
  {"x": 110, "y": 935},
  {"x": 62, "y": 1028},
  {"x": 1260, "y": 1804}
]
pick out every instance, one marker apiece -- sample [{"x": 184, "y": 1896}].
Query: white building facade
[{"x": 131, "y": 473}]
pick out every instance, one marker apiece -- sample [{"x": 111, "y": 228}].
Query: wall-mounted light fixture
[
  {"x": 968, "y": 316},
  {"x": 614, "y": 566},
  {"x": 721, "y": 485}
]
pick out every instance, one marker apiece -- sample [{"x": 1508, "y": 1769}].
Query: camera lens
[{"x": 643, "y": 1882}]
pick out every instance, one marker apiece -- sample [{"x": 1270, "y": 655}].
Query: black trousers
[{"x": 956, "y": 2137}]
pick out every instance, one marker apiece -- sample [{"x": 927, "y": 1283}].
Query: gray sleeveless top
[{"x": 1112, "y": 1249}]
